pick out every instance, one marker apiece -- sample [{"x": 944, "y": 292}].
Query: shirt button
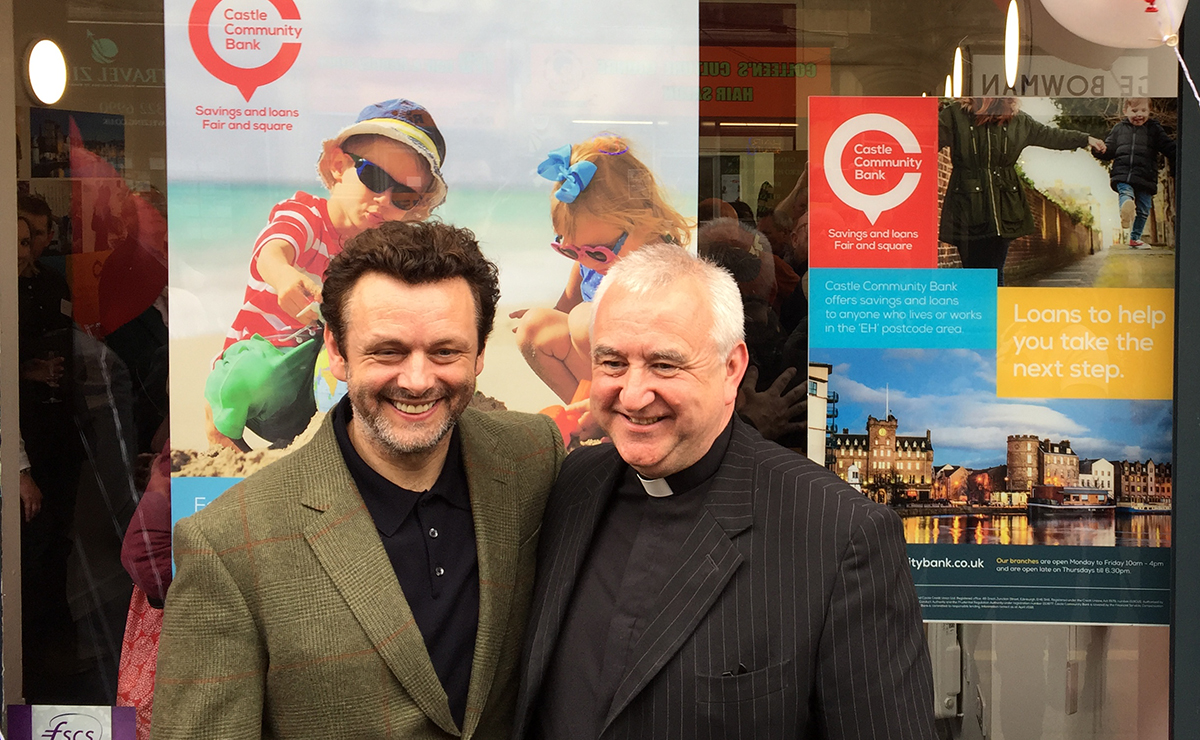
[
  {"x": 439, "y": 571},
  {"x": 433, "y": 533}
]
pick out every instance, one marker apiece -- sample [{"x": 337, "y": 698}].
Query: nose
[
  {"x": 416, "y": 377},
  {"x": 637, "y": 392}
]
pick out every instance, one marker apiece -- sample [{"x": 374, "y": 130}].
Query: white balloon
[{"x": 1123, "y": 24}]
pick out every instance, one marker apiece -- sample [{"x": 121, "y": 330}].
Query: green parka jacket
[{"x": 985, "y": 197}]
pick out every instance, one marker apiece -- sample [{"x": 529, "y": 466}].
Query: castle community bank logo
[
  {"x": 243, "y": 36},
  {"x": 872, "y": 163}
]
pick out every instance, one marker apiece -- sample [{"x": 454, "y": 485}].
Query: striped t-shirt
[{"x": 303, "y": 222}]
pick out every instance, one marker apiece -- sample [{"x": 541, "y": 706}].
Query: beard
[{"x": 368, "y": 409}]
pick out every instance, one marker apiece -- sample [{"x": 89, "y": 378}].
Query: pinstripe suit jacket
[
  {"x": 285, "y": 619},
  {"x": 788, "y": 572}
]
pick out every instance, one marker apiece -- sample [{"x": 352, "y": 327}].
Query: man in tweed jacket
[
  {"x": 376, "y": 582},
  {"x": 696, "y": 581}
]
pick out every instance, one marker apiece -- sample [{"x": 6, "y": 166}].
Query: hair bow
[{"x": 574, "y": 177}]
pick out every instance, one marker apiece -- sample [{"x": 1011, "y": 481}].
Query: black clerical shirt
[
  {"x": 430, "y": 538},
  {"x": 633, "y": 553}
]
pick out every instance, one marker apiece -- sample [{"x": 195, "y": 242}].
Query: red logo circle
[{"x": 245, "y": 79}]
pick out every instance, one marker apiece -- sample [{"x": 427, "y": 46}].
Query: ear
[
  {"x": 479, "y": 363},
  {"x": 337, "y": 363},
  {"x": 339, "y": 162},
  {"x": 735, "y": 368}
]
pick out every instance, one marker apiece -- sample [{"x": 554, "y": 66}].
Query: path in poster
[
  {"x": 1085, "y": 343},
  {"x": 917, "y": 308}
]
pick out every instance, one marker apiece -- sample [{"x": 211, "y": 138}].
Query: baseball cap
[{"x": 400, "y": 120}]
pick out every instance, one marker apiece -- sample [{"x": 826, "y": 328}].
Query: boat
[{"x": 1070, "y": 501}]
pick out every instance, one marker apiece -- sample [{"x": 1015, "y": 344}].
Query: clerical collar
[{"x": 692, "y": 476}]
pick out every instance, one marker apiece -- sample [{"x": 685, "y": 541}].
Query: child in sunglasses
[
  {"x": 386, "y": 166},
  {"x": 606, "y": 204}
]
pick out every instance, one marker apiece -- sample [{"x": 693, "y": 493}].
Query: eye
[{"x": 445, "y": 354}]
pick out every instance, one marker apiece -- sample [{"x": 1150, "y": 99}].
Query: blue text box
[
  {"x": 189, "y": 495},
  {"x": 902, "y": 309}
]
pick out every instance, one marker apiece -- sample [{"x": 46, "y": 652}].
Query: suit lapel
[
  {"x": 347, "y": 545},
  {"x": 494, "y": 508},
  {"x": 707, "y": 561},
  {"x": 566, "y": 538}
]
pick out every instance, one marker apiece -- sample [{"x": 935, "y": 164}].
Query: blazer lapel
[
  {"x": 497, "y": 530},
  {"x": 708, "y": 560},
  {"x": 346, "y": 543}
]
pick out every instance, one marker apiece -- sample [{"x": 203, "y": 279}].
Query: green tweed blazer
[{"x": 285, "y": 618}]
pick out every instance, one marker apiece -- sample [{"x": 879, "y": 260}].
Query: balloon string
[{"x": 1187, "y": 74}]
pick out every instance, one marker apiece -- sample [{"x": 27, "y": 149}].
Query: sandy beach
[{"x": 506, "y": 377}]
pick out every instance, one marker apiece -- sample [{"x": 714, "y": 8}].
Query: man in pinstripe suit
[{"x": 695, "y": 580}]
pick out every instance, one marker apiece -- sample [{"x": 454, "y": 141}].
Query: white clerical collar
[{"x": 657, "y": 487}]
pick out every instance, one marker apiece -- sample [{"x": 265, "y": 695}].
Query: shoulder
[
  {"x": 510, "y": 428},
  {"x": 589, "y": 458},
  {"x": 814, "y": 491},
  {"x": 267, "y": 503}
]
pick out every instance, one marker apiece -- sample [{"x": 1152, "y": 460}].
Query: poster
[
  {"x": 1017, "y": 417},
  {"x": 257, "y": 87}
]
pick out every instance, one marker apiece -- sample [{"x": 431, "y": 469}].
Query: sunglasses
[
  {"x": 601, "y": 253},
  {"x": 377, "y": 181}
]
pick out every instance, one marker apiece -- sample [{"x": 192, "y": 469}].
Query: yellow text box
[{"x": 1085, "y": 342}]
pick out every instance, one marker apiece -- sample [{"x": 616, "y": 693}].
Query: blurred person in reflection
[
  {"x": 55, "y": 452},
  {"x": 606, "y": 204},
  {"x": 1133, "y": 146},
  {"x": 985, "y": 207},
  {"x": 386, "y": 166},
  {"x": 696, "y": 580},
  {"x": 376, "y": 581},
  {"x": 768, "y": 399}
]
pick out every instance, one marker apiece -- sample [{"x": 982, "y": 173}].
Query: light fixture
[
  {"x": 949, "y": 87},
  {"x": 958, "y": 72},
  {"x": 46, "y": 70},
  {"x": 1012, "y": 44}
]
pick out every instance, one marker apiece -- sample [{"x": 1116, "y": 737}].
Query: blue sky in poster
[{"x": 952, "y": 393}]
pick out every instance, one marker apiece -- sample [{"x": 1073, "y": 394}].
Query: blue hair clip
[{"x": 574, "y": 177}]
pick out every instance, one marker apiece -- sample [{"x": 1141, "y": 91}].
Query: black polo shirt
[
  {"x": 633, "y": 553},
  {"x": 430, "y": 538}
]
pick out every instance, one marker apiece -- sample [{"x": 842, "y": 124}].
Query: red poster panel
[{"x": 873, "y": 182}]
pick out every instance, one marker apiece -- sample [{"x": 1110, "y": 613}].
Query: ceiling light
[
  {"x": 1012, "y": 44},
  {"x": 958, "y": 72},
  {"x": 47, "y": 71}
]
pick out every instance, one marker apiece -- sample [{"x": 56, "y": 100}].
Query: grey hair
[{"x": 655, "y": 267}]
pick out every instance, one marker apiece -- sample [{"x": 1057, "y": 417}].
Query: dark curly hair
[{"x": 413, "y": 253}]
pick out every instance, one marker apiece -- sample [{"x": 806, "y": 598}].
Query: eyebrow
[
  {"x": 669, "y": 355},
  {"x": 603, "y": 350}
]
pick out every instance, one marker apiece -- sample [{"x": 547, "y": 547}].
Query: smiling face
[
  {"x": 411, "y": 360},
  {"x": 660, "y": 389},
  {"x": 1138, "y": 112},
  {"x": 353, "y": 207}
]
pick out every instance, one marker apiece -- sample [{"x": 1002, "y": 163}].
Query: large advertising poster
[
  {"x": 262, "y": 95},
  {"x": 1015, "y": 413}
]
